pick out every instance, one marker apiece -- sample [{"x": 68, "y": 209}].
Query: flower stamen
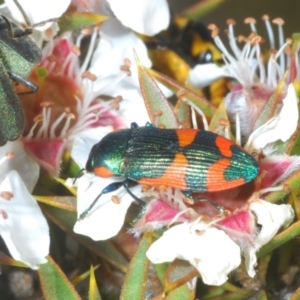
[
  {"x": 4, "y": 214},
  {"x": 6, "y": 195},
  {"x": 90, "y": 49}
]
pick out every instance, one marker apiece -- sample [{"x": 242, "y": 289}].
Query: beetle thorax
[{"x": 108, "y": 154}]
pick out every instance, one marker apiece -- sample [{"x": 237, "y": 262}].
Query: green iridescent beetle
[{"x": 18, "y": 55}]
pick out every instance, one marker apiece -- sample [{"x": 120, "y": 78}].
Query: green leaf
[
  {"x": 200, "y": 102},
  {"x": 54, "y": 283},
  {"x": 158, "y": 107},
  {"x": 136, "y": 277},
  {"x": 220, "y": 122},
  {"x": 280, "y": 239},
  {"x": 77, "y": 20},
  {"x": 105, "y": 249},
  {"x": 261, "y": 295},
  {"x": 291, "y": 146},
  {"x": 291, "y": 183},
  {"x": 93, "y": 288},
  {"x": 6, "y": 260},
  {"x": 72, "y": 189},
  {"x": 62, "y": 202},
  {"x": 183, "y": 113},
  {"x": 181, "y": 293},
  {"x": 178, "y": 273}
]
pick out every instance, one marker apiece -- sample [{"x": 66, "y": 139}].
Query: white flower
[
  {"x": 67, "y": 113},
  {"x": 245, "y": 63},
  {"x": 22, "y": 224},
  {"x": 83, "y": 144},
  {"x": 271, "y": 217},
  {"x": 208, "y": 249},
  {"x": 27, "y": 168},
  {"x": 107, "y": 217},
  {"x": 117, "y": 42},
  {"x": 150, "y": 17},
  {"x": 280, "y": 127}
]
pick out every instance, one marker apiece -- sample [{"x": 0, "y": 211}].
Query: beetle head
[{"x": 108, "y": 153}]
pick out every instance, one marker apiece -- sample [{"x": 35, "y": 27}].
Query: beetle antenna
[
  {"x": 21, "y": 9},
  {"x": 79, "y": 173},
  {"x": 86, "y": 212},
  {"x": 108, "y": 189}
]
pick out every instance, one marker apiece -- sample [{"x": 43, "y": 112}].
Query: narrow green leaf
[
  {"x": 200, "y": 9},
  {"x": 78, "y": 20},
  {"x": 207, "y": 108},
  {"x": 105, "y": 249},
  {"x": 291, "y": 146},
  {"x": 291, "y": 183},
  {"x": 161, "y": 271},
  {"x": 261, "y": 295},
  {"x": 54, "y": 283},
  {"x": 281, "y": 238},
  {"x": 178, "y": 273},
  {"x": 82, "y": 276},
  {"x": 136, "y": 277},
  {"x": 220, "y": 122},
  {"x": 6, "y": 260},
  {"x": 159, "y": 109},
  {"x": 228, "y": 286},
  {"x": 62, "y": 202},
  {"x": 93, "y": 288},
  {"x": 70, "y": 188},
  {"x": 183, "y": 113},
  {"x": 181, "y": 293}
]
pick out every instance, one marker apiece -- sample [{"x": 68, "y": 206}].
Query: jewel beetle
[
  {"x": 187, "y": 159},
  {"x": 18, "y": 55}
]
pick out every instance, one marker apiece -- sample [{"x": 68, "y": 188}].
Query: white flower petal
[
  {"x": 271, "y": 217},
  {"x": 280, "y": 127},
  {"x": 116, "y": 44},
  {"x": 38, "y": 11},
  {"x": 26, "y": 166},
  {"x": 83, "y": 144},
  {"x": 203, "y": 75},
  {"x": 24, "y": 229},
  {"x": 210, "y": 250},
  {"x": 106, "y": 218},
  {"x": 146, "y": 17}
]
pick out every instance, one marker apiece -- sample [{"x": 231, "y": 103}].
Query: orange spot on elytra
[
  {"x": 224, "y": 146},
  {"x": 103, "y": 172},
  {"x": 186, "y": 136},
  {"x": 214, "y": 182},
  {"x": 174, "y": 175}
]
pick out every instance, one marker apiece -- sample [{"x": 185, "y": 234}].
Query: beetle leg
[
  {"x": 20, "y": 79},
  {"x": 218, "y": 207},
  {"x": 130, "y": 183}
]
